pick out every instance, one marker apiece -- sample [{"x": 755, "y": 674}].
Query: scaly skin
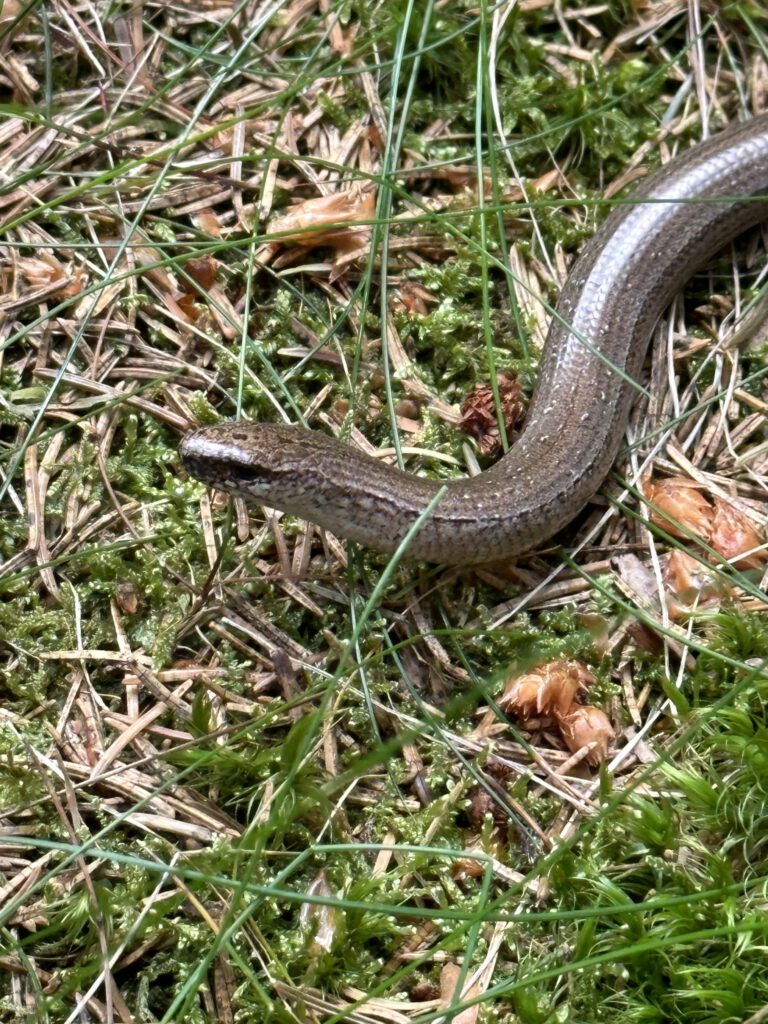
[{"x": 627, "y": 274}]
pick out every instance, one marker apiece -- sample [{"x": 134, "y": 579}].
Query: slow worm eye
[{"x": 251, "y": 473}]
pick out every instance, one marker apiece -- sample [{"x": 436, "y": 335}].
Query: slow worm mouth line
[{"x": 618, "y": 287}]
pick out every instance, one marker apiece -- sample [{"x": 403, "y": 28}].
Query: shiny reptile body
[{"x": 619, "y": 286}]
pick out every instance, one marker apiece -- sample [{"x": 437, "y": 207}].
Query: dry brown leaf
[
  {"x": 733, "y": 535},
  {"x": 585, "y": 725},
  {"x": 150, "y": 260},
  {"x": 449, "y": 980},
  {"x": 413, "y": 298},
  {"x": 44, "y": 269},
  {"x": 9, "y": 10},
  {"x": 208, "y": 221},
  {"x": 467, "y": 867},
  {"x": 320, "y": 921},
  {"x": 688, "y": 579},
  {"x": 329, "y": 220},
  {"x": 680, "y": 499},
  {"x": 202, "y": 271}
]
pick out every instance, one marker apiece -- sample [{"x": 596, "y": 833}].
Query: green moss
[{"x": 660, "y": 851}]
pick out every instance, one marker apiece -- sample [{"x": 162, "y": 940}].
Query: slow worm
[{"x": 626, "y": 275}]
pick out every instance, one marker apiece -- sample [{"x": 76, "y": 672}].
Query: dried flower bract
[
  {"x": 548, "y": 689},
  {"x": 587, "y": 725},
  {"x": 720, "y": 523},
  {"x": 679, "y": 507},
  {"x": 733, "y": 536}
]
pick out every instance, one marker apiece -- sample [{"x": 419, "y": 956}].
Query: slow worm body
[{"x": 618, "y": 287}]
